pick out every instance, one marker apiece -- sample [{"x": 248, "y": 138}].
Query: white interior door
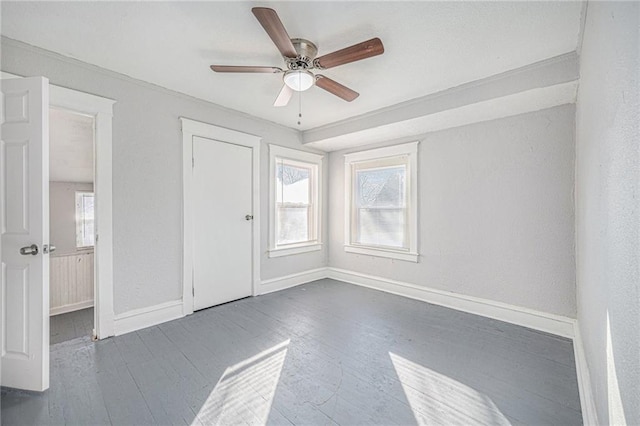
[
  {"x": 222, "y": 222},
  {"x": 24, "y": 299}
]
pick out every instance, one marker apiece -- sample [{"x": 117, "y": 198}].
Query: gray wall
[
  {"x": 62, "y": 215},
  {"x": 147, "y": 173},
  {"x": 496, "y": 213},
  {"x": 608, "y": 208}
]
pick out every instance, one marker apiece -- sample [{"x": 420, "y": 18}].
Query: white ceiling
[
  {"x": 429, "y": 46},
  {"x": 70, "y": 147}
]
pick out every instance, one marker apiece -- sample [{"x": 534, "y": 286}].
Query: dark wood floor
[
  {"x": 320, "y": 353},
  {"x": 71, "y": 325}
]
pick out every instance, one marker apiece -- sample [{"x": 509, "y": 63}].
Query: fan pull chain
[{"x": 299, "y": 107}]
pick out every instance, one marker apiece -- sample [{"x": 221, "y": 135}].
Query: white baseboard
[
  {"x": 542, "y": 321},
  {"x": 70, "y": 308},
  {"x": 587, "y": 401},
  {"x": 146, "y": 317},
  {"x": 281, "y": 283}
]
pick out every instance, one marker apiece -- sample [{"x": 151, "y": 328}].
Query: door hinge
[
  {"x": 193, "y": 292},
  {"x": 193, "y": 162}
]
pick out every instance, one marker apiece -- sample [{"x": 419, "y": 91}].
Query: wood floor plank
[
  {"x": 74, "y": 362},
  {"x": 556, "y": 377},
  {"x": 320, "y": 353},
  {"x": 124, "y": 401},
  {"x": 157, "y": 388},
  {"x": 21, "y": 407},
  {"x": 64, "y": 327}
]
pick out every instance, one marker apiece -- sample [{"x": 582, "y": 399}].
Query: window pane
[
  {"x": 85, "y": 219},
  {"x": 381, "y": 227},
  {"x": 293, "y": 184},
  {"x": 293, "y": 199},
  {"x": 87, "y": 213},
  {"x": 380, "y": 195},
  {"x": 382, "y": 187},
  {"x": 293, "y": 224}
]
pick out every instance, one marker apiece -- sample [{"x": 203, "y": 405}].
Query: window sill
[
  {"x": 279, "y": 252},
  {"x": 391, "y": 254}
]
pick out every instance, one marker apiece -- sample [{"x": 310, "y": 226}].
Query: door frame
[
  {"x": 102, "y": 110},
  {"x": 190, "y": 129}
]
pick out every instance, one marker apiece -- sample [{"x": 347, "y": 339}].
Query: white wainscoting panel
[{"x": 71, "y": 282}]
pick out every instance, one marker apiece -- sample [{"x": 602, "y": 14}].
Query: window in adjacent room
[
  {"x": 381, "y": 202},
  {"x": 84, "y": 219},
  {"x": 295, "y": 199}
]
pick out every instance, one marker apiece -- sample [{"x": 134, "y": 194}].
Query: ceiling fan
[{"x": 300, "y": 57}]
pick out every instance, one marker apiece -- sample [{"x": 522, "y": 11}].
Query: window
[
  {"x": 84, "y": 220},
  {"x": 295, "y": 201},
  {"x": 381, "y": 202}
]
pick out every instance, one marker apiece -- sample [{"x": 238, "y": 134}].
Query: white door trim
[
  {"x": 191, "y": 128},
  {"x": 102, "y": 110}
]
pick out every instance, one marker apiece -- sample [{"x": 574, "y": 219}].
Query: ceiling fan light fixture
[{"x": 299, "y": 80}]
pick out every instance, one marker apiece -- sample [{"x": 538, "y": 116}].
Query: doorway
[
  {"x": 101, "y": 111},
  {"x": 221, "y": 199},
  {"x": 25, "y": 208},
  {"x": 71, "y": 225}
]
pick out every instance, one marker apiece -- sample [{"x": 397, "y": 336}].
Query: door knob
[
  {"x": 29, "y": 250},
  {"x": 48, "y": 248},
  {"x": 248, "y": 217}
]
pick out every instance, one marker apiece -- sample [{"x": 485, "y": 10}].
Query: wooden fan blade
[
  {"x": 336, "y": 88},
  {"x": 357, "y": 52},
  {"x": 271, "y": 23},
  {"x": 235, "y": 68},
  {"x": 284, "y": 96}
]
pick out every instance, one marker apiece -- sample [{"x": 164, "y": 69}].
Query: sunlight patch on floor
[
  {"x": 245, "y": 391},
  {"x": 437, "y": 399}
]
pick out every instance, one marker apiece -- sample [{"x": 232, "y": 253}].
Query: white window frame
[
  {"x": 411, "y": 151},
  {"x": 80, "y": 220},
  {"x": 276, "y": 152}
]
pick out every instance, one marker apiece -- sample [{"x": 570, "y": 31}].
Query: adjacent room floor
[
  {"x": 320, "y": 353},
  {"x": 71, "y": 325}
]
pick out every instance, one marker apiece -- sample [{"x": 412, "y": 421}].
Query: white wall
[
  {"x": 62, "y": 215},
  {"x": 147, "y": 182},
  {"x": 496, "y": 213},
  {"x": 608, "y": 208}
]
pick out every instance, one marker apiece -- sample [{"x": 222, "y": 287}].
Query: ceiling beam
[{"x": 533, "y": 82}]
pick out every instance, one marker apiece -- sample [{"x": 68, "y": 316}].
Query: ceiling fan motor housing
[{"x": 306, "y": 51}]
